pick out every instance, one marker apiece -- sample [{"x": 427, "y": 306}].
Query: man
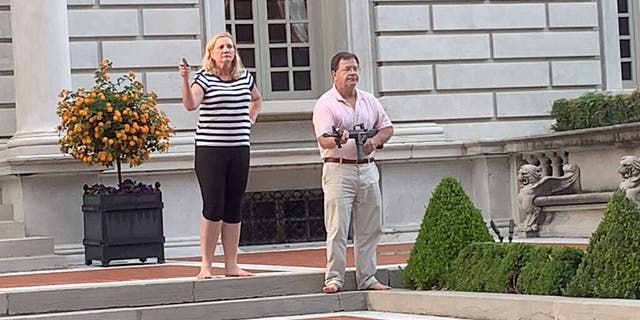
[{"x": 350, "y": 185}]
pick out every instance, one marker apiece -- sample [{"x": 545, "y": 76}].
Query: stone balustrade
[{"x": 566, "y": 179}]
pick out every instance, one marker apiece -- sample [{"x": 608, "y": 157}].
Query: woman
[{"x": 229, "y": 104}]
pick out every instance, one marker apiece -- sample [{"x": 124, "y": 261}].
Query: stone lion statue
[
  {"x": 630, "y": 171},
  {"x": 533, "y": 184}
]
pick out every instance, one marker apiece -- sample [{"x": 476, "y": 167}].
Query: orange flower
[{"x": 111, "y": 123}]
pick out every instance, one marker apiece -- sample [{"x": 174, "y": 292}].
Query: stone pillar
[
  {"x": 492, "y": 190},
  {"x": 40, "y": 35},
  {"x": 360, "y": 40}
]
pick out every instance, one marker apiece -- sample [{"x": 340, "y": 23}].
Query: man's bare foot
[
  {"x": 378, "y": 286},
  {"x": 204, "y": 274},
  {"x": 237, "y": 272},
  {"x": 331, "y": 288}
]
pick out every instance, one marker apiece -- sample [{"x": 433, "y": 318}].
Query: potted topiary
[{"x": 116, "y": 123}]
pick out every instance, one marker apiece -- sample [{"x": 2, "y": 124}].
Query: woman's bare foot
[
  {"x": 237, "y": 272},
  {"x": 378, "y": 286},
  {"x": 205, "y": 273}
]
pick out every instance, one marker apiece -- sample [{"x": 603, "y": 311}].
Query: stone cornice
[{"x": 622, "y": 134}]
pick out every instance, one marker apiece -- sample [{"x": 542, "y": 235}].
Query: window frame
[
  {"x": 633, "y": 16},
  {"x": 261, "y": 47}
]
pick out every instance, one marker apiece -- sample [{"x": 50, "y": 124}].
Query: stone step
[
  {"x": 11, "y": 229},
  {"x": 181, "y": 293},
  {"x": 6, "y": 212},
  {"x": 250, "y": 308},
  {"x": 24, "y": 247},
  {"x": 41, "y": 262},
  {"x": 461, "y": 305}
]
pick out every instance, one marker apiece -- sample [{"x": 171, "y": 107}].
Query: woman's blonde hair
[{"x": 209, "y": 64}]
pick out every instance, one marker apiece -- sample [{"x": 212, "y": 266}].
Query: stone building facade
[{"x": 454, "y": 76}]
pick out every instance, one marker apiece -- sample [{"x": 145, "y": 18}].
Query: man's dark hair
[{"x": 335, "y": 61}]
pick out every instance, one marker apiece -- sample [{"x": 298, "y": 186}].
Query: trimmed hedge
[
  {"x": 595, "y": 109},
  {"x": 611, "y": 265},
  {"x": 450, "y": 223},
  {"x": 513, "y": 268},
  {"x": 487, "y": 267},
  {"x": 549, "y": 270}
]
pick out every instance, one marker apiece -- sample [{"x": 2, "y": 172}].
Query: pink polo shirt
[{"x": 333, "y": 110}]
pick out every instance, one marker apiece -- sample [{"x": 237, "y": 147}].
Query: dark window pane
[
  {"x": 277, "y": 33},
  {"x": 243, "y": 9},
  {"x": 626, "y": 71},
  {"x": 227, "y": 10},
  {"x": 228, "y": 27},
  {"x": 298, "y": 10},
  {"x": 247, "y": 56},
  {"x": 625, "y": 48},
  {"x": 275, "y": 9},
  {"x": 244, "y": 33},
  {"x": 279, "y": 81},
  {"x": 302, "y": 80},
  {"x": 278, "y": 57},
  {"x": 622, "y": 6},
  {"x": 623, "y": 26},
  {"x": 299, "y": 33},
  {"x": 300, "y": 57}
]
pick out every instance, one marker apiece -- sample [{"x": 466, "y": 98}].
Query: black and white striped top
[{"x": 223, "y": 119}]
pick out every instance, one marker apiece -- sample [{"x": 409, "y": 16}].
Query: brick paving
[{"x": 387, "y": 254}]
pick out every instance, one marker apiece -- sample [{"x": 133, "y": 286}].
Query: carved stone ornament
[
  {"x": 533, "y": 184},
  {"x": 630, "y": 171}
]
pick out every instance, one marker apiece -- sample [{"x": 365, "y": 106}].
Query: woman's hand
[{"x": 184, "y": 68}]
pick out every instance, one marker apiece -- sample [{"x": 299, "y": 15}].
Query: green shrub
[
  {"x": 475, "y": 268},
  {"x": 488, "y": 267},
  {"x": 450, "y": 223},
  {"x": 595, "y": 109},
  {"x": 549, "y": 270},
  {"x": 611, "y": 266}
]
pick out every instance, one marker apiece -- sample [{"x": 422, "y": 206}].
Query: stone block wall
[
  {"x": 148, "y": 37},
  {"x": 500, "y": 64},
  {"x": 7, "y": 99}
]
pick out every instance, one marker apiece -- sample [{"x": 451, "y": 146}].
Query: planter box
[{"x": 123, "y": 226}]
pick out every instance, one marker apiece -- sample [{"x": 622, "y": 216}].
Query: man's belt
[{"x": 349, "y": 161}]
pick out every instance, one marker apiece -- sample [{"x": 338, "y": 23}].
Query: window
[
  {"x": 629, "y": 33},
  {"x": 275, "y": 45}
]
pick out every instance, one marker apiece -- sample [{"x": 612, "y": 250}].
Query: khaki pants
[{"x": 351, "y": 195}]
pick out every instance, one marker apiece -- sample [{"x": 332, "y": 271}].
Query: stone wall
[
  {"x": 7, "y": 99},
  {"x": 501, "y": 64},
  {"x": 448, "y": 73}
]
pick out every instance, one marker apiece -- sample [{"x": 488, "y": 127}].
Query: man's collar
[{"x": 339, "y": 96}]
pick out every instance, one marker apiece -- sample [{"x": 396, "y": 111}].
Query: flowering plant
[
  {"x": 112, "y": 122},
  {"x": 127, "y": 186}
]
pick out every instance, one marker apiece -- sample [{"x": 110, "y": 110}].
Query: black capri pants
[{"x": 222, "y": 174}]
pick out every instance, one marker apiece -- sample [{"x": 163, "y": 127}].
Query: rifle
[{"x": 359, "y": 133}]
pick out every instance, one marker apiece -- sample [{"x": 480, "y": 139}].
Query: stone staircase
[
  {"x": 272, "y": 294},
  {"x": 280, "y": 294},
  {"x": 21, "y": 253}
]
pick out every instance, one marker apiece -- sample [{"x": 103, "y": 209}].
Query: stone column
[
  {"x": 360, "y": 40},
  {"x": 41, "y": 68}
]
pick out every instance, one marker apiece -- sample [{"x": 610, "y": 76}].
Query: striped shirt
[{"x": 223, "y": 119}]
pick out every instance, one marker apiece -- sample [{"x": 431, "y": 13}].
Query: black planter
[{"x": 123, "y": 226}]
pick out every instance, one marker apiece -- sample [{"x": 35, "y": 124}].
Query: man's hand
[
  {"x": 369, "y": 146},
  {"x": 343, "y": 139}
]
